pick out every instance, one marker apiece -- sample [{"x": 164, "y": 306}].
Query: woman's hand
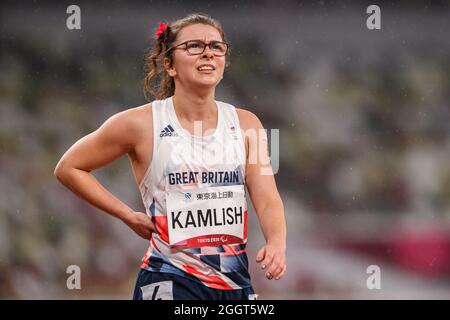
[
  {"x": 141, "y": 224},
  {"x": 273, "y": 257}
]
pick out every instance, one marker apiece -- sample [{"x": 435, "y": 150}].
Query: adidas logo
[{"x": 168, "y": 131}]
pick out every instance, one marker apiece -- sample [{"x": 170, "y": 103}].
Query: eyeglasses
[{"x": 196, "y": 47}]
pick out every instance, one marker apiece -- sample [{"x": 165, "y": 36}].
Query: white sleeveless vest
[{"x": 194, "y": 192}]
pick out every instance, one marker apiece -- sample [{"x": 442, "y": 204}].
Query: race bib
[{"x": 208, "y": 216}]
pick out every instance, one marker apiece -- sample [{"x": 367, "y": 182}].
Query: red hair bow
[{"x": 162, "y": 27}]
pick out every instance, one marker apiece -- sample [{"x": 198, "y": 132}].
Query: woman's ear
[{"x": 169, "y": 67}]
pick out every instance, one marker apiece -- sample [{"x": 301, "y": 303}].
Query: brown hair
[{"x": 157, "y": 82}]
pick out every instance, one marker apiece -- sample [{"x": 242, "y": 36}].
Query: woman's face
[{"x": 186, "y": 68}]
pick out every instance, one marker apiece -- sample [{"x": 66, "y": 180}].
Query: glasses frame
[{"x": 206, "y": 45}]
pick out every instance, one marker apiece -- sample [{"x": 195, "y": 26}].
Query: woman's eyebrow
[
  {"x": 203, "y": 40},
  {"x": 212, "y": 40}
]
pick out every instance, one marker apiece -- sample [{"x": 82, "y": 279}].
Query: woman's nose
[{"x": 207, "y": 53}]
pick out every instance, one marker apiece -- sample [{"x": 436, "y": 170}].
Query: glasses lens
[
  {"x": 195, "y": 47},
  {"x": 219, "y": 48}
]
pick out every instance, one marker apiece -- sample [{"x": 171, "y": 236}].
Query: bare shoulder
[
  {"x": 248, "y": 120},
  {"x": 134, "y": 122},
  {"x": 136, "y": 117}
]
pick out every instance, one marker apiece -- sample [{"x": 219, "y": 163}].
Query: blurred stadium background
[{"x": 364, "y": 141}]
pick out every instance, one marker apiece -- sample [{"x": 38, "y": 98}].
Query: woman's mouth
[{"x": 207, "y": 68}]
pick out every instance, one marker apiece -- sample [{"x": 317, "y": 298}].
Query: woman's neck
[{"x": 193, "y": 106}]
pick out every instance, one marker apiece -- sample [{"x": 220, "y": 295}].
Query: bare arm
[
  {"x": 117, "y": 136},
  {"x": 265, "y": 197}
]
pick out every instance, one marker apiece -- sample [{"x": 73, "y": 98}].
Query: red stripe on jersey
[
  {"x": 231, "y": 251},
  {"x": 210, "y": 240},
  {"x": 212, "y": 281},
  {"x": 161, "y": 227},
  {"x": 154, "y": 244},
  {"x": 146, "y": 257}
]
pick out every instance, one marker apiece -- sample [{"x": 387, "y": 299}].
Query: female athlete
[{"x": 193, "y": 159}]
